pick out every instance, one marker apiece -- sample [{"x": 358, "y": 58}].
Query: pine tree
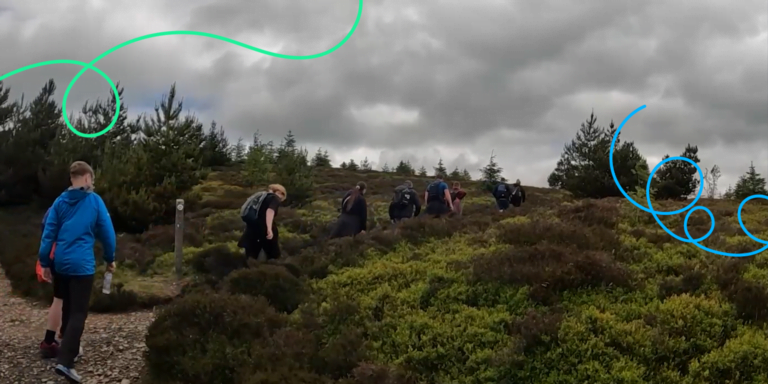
[
  {"x": 385, "y": 168},
  {"x": 422, "y": 171},
  {"x": 404, "y": 168},
  {"x": 465, "y": 175},
  {"x": 365, "y": 165},
  {"x": 258, "y": 162},
  {"x": 321, "y": 159},
  {"x": 352, "y": 166},
  {"x": 216, "y": 149},
  {"x": 491, "y": 174},
  {"x": 751, "y": 183},
  {"x": 295, "y": 173},
  {"x": 455, "y": 174},
  {"x": 238, "y": 151},
  {"x": 677, "y": 179},
  {"x": 584, "y": 165},
  {"x": 440, "y": 169},
  {"x": 287, "y": 147},
  {"x": 344, "y": 165}
]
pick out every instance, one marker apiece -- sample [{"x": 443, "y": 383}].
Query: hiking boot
[
  {"x": 79, "y": 354},
  {"x": 68, "y": 373},
  {"x": 49, "y": 351}
]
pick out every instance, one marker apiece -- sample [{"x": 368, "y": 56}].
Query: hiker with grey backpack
[
  {"x": 405, "y": 203},
  {"x": 258, "y": 213}
]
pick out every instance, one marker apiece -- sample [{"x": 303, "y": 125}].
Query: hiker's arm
[
  {"x": 417, "y": 204},
  {"x": 50, "y": 233},
  {"x": 363, "y": 214},
  {"x": 522, "y": 194},
  {"x": 426, "y": 196},
  {"x": 270, "y": 218},
  {"x": 106, "y": 232},
  {"x": 448, "y": 198}
]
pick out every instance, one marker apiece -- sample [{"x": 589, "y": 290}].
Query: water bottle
[{"x": 107, "y": 283}]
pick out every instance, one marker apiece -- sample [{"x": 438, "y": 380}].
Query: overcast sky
[{"x": 423, "y": 80}]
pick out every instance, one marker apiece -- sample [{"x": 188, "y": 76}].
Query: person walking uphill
[
  {"x": 457, "y": 195},
  {"x": 438, "y": 198},
  {"x": 259, "y": 212},
  {"x": 517, "y": 196},
  {"x": 74, "y": 218},
  {"x": 354, "y": 213},
  {"x": 501, "y": 193},
  {"x": 405, "y": 203}
]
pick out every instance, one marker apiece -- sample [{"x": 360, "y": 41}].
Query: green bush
[
  {"x": 207, "y": 339},
  {"x": 275, "y": 283}
]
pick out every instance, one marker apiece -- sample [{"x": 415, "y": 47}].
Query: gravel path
[{"x": 113, "y": 344}]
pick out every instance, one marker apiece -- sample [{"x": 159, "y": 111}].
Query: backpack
[
  {"x": 501, "y": 191},
  {"x": 402, "y": 196},
  {"x": 249, "y": 212},
  {"x": 515, "y": 192},
  {"x": 433, "y": 190}
]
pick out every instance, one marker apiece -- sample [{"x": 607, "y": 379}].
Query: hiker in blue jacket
[{"x": 74, "y": 218}]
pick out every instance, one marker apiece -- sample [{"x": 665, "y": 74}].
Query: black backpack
[
  {"x": 433, "y": 191},
  {"x": 402, "y": 197},
  {"x": 501, "y": 191},
  {"x": 515, "y": 192}
]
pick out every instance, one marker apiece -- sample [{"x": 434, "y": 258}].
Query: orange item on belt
[{"x": 39, "y": 269}]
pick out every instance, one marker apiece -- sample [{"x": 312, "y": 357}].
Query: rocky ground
[{"x": 113, "y": 344}]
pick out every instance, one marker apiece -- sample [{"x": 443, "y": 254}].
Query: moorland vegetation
[{"x": 575, "y": 286}]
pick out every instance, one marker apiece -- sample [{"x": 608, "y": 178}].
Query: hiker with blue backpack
[
  {"x": 506, "y": 194},
  {"x": 438, "y": 198},
  {"x": 258, "y": 213},
  {"x": 405, "y": 203}
]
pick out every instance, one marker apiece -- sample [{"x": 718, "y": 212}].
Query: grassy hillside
[{"x": 557, "y": 291}]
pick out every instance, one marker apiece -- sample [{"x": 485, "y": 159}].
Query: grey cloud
[{"x": 473, "y": 74}]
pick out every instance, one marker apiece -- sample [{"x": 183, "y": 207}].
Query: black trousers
[
  {"x": 76, "y": 292},
  {"x": 271, "y": 248}
]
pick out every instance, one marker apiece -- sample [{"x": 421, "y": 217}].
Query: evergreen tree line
[
  {"x": 141, "y": 165},
  {"x": 584, "y": 170}
]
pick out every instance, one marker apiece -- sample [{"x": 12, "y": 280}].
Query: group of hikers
[
  {"x": 259, "y": 210},
  {"x": 78, "y": 217}
]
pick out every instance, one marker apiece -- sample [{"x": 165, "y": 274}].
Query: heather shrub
[
  {"x": 207, "y": 339},
  {"x": 275, "y": 283}
]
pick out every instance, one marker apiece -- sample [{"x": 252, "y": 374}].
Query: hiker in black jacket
[
  {"x": 259, "y": 213},
  {"x": 405, "y": 203},
  {"x": 354, "y": 213},
  {"x": 517, "y": 195},
  {"x": 501, "y": 193}
]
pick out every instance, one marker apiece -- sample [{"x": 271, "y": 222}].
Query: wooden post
[{"x": 179, "y": 236}]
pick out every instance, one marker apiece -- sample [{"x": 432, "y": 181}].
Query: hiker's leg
[
  {"x": 80, "y": 288},
  {"x": 65, "y": 302},
  {"x": 271, "y": 249},
  {"x": 252, "y": 252}
]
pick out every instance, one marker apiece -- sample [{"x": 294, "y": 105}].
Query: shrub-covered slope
[{"x": 558, "y": 291}]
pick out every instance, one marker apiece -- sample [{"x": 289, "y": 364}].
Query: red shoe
[{"x": 49, "y": 351}]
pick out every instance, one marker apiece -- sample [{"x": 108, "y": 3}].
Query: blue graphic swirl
[{"x": 690, "y": 206}]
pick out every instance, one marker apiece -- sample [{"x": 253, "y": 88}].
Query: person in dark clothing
[
  {"x": 517, "y": 196},
  {"x": 75, "y": 220},
  {"x": 438, "y": 198},
  {"x": 353, "y": 219},
  {"x": 405, "y": 203},
  {"x": 501, "y": 193},
  {"x": 261, "y": 231},
  {"x": 457, "y": 195}
]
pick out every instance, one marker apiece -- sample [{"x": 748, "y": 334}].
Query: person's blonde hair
[
  {"x": 278, "y": 188},
  {"x": 80, "y": 169},
  {"x": 456, "y": 184}
]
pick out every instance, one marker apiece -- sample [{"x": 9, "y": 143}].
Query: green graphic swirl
[{"x": 87, "y": 66}]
